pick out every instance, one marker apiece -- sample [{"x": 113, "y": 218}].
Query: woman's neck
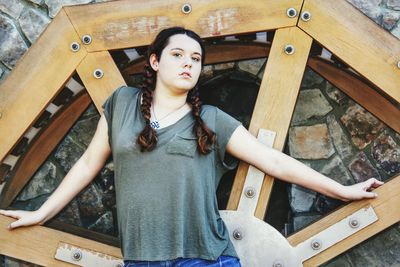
[{"x": 165, "y": 100}]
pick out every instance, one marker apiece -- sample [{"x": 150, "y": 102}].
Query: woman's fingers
[
  {"x": 372, "y": 183},
  {"x": 11, "y": 213}
]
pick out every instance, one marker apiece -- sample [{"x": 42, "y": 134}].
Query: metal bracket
[{"x": 85, "y": 257}]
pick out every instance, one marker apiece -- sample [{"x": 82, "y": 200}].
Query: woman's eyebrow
[{"x": 176, "y": 48}]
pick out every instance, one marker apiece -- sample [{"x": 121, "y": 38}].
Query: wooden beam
[
  {"x": 127, "y": 23},
  {"x": 100, "y": 89},
  {"x": 38, "y": 76},
  {"x": 357, "y": 40},
  {"x": 386, "y": 206},
  {"x": 360, "y": 91},
  {"x": 275, "y": 103},
  {"x": 38, "y": 244},
  {"x": 42, "y": 145}
]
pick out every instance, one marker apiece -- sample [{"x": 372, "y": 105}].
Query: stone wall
[{"x": 347, "y": 143}]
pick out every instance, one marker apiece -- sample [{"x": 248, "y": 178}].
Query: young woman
[{"x": 168, "y": 153}]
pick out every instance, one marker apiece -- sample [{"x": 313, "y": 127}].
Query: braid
[
  {"x": 147, "y": 139},
  {"x": 206, "y": 138}
]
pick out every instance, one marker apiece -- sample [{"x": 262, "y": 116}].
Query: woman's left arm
[{"x": 244, "y": 146}]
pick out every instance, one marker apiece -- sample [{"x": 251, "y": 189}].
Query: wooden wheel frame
[{"x": 336, "y": 25}]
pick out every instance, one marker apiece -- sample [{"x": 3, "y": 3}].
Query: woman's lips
[{"x": 186, "y": 75}]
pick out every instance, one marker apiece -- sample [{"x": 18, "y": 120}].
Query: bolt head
[
  {"x": 291, "y": 12},
  {"x": 186, "y": 8},
  {"x": 316, "y": 244},
  {"x": 237, "y": 235},
  {"x": 306, "y": 16},
  {"x": 289, "y": 49}
]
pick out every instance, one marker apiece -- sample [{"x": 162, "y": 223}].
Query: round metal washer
[
  {"x": 291, "y": 12},
  {"x": 237, "y": 234},
  {"x": 289, "y": 49},
  {"x": 278, "y": 263},
  {"x": 316, "y": 244},
  {"x": 74, "y": 46},
  {"x": 398, "y": 64},
  {"x": 186, "y": 8},
  {"x": 86, "y": 39},
  {"x": 354, "y": 223},
  {"x": 76, "y": 255},
  {"x": 250, "y": 192},
  {"x": 98, "y": 73},
  {"x": 305, "y": 16}
]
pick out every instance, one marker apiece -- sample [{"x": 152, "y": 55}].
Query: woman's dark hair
[{"x": 147, "y": 139}]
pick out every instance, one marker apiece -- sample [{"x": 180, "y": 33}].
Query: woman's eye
[
  {"x": 176, "y": 54},
  {"x": 196, "y": 59}
]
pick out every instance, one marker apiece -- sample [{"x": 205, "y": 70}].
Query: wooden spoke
[
  {"x": 275, "y": 103},
  {"x": 36, "y": 79}
]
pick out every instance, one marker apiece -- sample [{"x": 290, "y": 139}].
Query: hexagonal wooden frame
[{"x": 49, "y": 63}]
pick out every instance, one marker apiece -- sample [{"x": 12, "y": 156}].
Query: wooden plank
[
  {"x": 215, "y": 53},
  {"x": 38, "y": 76},
  {"x": 275, "y": 103},
  {"x": 100, "y": 89},
  {"x": 38, "y": 244},
  {"x": 386, "y": 206},
  {"x": 356, "y": 40},
  {"x": 361, "y": 92},
  {"x": 127, "y": 23},
  {"x": 42, "y": 145}
]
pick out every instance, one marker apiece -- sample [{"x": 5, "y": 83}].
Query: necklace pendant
[{"x": 155, "y": 124}]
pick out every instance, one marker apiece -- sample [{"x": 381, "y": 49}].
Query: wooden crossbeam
[
  {"x": 38, "y": 244},
  {"x": 122, "y": 24},
  {"x": 357, "y": 40},
  {"x": 275, "y": 103},
  {"x": 100, "y": 88},
  {"x": 38, "y": 76},
  {"x": 42, "y": 147},
  {"x": 386, "y": 206}
]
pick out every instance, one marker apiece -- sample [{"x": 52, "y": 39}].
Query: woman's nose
[{"x": 188, "y": 62}]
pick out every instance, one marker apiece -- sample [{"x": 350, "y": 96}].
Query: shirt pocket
[{"x": 182, "y": 145}]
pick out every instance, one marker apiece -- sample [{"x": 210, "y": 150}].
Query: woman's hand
[
  {"x": 24, "y": 218},
  {"x": 361, "y": 190}
]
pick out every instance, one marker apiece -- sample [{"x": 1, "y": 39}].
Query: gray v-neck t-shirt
[{"x": 166, "y": 198}]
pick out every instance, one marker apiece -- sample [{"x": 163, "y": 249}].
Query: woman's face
[{"x": 179, "y": 66}]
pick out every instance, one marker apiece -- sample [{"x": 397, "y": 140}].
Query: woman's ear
[{"x": 153, "y": 62}]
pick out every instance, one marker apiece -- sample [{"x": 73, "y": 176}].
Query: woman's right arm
[{"x": 80, "y": 175}]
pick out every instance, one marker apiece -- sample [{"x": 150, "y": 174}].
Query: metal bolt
[
  {"x": 291, "y": 12},
  {"x": 277, "y": 263},
  {"x": 77, "y": 255},
  {"x": 316, "y": 244},
  {"x": 250, "y": 192},
  {"x": 306, "y": 16},
  {"x": 86, "y": 39},
  {"x": 98, "y": 73},
  {"x": 354, "y": 223},
  {"x": 237, "y": 235},
  {"x": 75, "y": 47},
  {"x": 186, "y": 8},
  {"x": 398, "y": 64},
  {"x": 289, "y": 49}
]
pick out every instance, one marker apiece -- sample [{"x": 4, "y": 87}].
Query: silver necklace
[{"x": 155, "y": 124}]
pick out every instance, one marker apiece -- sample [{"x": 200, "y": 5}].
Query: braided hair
[{"x": 147, "y": 139}]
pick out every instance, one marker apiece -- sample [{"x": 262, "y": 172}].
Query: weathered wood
[
  {"x": 360, "y": 91},
  {"x": 386, "y": 206},
  {"x": 357, "y": 40},
  {"x": 38, "y": 244},
  {"x": 38, "y": 76},
  {"x": 100, "y": 89},
  {"x": 275, "y": 103},
  {"x": 42, "y": 146},
  {"x": 126, "y": 23}
]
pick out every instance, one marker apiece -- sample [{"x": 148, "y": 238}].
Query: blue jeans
[{"x": 222, "y": 261}]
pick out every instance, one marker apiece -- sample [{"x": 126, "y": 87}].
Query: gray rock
[
  {"x": 55, "y": 5},
  {"x": 340, "y": 261},
  {"x": 396, "y": 31},
  {"x": 83, "y": 130},
  {"x": 393, "y": 4},
  {"x": 207, "y": 72},
  {"x": 68, "y": 152},
  {"x": 362, "y": 125},
  {"x": 336, "y": 170},
  {"x": 302, "y": 221},
  {"x": 390, "y": 18},
  {"x": 310, "y": 142},
  {"x": 387, "y": 154},
  {"x": 38, "y": 2},
  {"x": 105, "y": 224},
  {"x": 70, "y": 214},
  {"x": 340, "y": 140},
  {"x": 301, "y": 199},
  {"x": 310, "y": 78},
  {"x": 45, "y": 181},
  {"x": 362, "y": 169},
  {"x": 224, "y": 66},
  {"x": 12, "y": 7},
  {"x": 380, "y": 250},
  {"x": 33, "y": 23},
  {"x": 252, "y": 66},
  {"x": 368, "y": 7},
  {"x": 12, "y": 45},
  {"x": 335, "y": 94},
  {"x": 90, "y": 202},
  {"x": 310, "y": 104}
]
